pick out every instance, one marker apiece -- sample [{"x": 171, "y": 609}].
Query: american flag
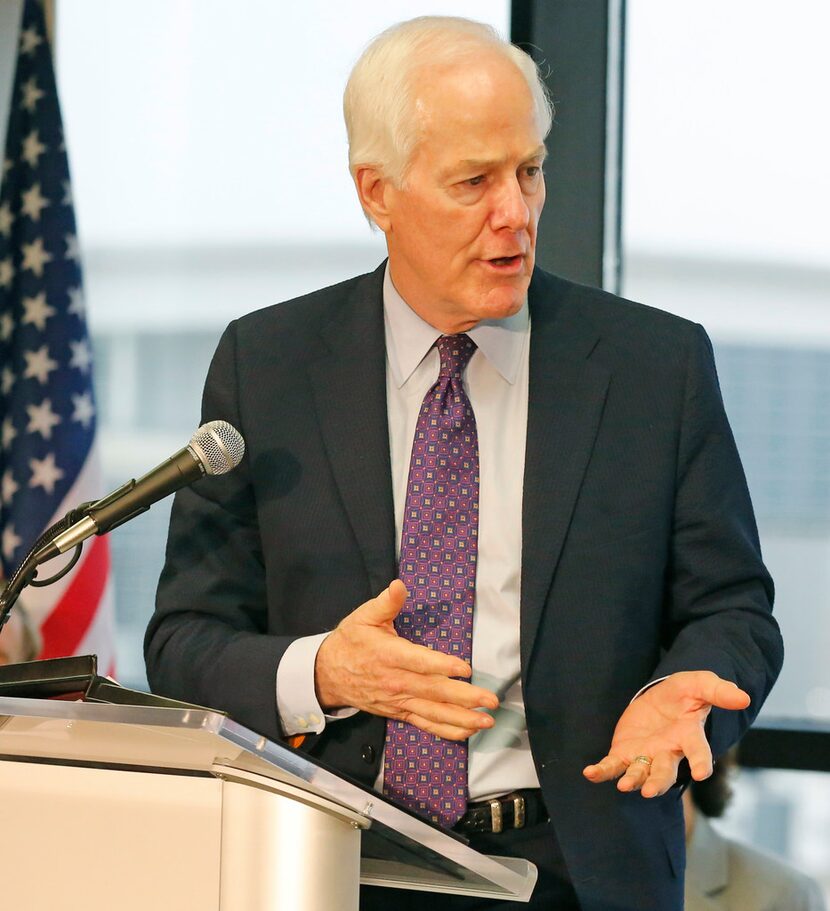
[{"x": 48, "y": 461}]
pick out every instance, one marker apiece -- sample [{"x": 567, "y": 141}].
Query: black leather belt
[{"x": 513, "y": 811}]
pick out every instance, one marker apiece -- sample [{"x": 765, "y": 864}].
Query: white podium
[{"x": 135, "y": 807}]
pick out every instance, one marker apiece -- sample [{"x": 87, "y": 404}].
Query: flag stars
[
  {"x": 31, "y": 95},
  {"x": 6, "y": 272},
  {"x": 42, "y": 419},
  {"x": 37, "y": 311},
  {"x": 6, "y": 327},
  {"x": 84, "y": 409},
  {"x": 76, "y": 302},
  {"x": 33, "y": 202},
  {"x": 7, "y": 381},
  {"x": 72, "y": 249},
  {"x": 11, "y": 542},
  {"x": 9, "y": 486},
  {"x": 33, "y": 148},
  {"x": 67, "y": 194},
  {"x": 81, "y": 355},
  {"x": 8, "y": 433},
  {"x": 6, "y": 220},
  {"x": 39, "y": 365},
  {"x": 45, "y": 473},
  {"x": 35, "y": 257},
  {"x": 30, "y": 41}
]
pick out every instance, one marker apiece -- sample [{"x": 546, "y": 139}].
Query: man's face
[{"x": 461, "y": 232}]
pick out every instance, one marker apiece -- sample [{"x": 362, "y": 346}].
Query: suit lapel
[
  {"x": 566, "y": 397},
  {"x": 349, "y": 384}
]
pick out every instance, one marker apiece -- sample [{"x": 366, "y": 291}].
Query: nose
[{"x": 510, "y": 208}]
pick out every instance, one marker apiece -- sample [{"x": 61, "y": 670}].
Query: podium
[{"x": 139, "y": 806}]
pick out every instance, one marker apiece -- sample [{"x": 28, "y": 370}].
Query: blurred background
[{"x": 208, "y": 156}]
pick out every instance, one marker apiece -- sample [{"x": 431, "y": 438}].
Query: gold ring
[{"x": 642, "y": 759}]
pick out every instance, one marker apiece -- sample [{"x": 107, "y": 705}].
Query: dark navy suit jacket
[{"x": 640, "y": 554}]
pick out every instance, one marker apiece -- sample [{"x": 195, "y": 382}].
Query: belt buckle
[
  {"x": 497, "y": 821},
  {"x": 518, "y": 812}
]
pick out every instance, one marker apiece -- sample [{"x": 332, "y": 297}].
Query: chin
[{"x": 503, "y": 302}]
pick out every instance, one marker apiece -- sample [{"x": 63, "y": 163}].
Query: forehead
[{"x": 477, "y": 110}]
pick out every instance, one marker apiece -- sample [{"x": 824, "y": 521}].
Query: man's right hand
[{"x": 365, "y": 664}]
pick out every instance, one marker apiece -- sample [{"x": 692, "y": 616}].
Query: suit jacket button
[{"x": 367, "y": 751}]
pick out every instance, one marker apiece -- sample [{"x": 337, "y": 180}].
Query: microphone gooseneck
[{"x": 214, "y": 449}]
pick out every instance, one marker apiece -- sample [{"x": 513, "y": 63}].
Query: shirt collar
[{"x": 409, "y": 338}]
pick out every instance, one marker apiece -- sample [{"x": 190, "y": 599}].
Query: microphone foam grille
[{"x": 219, "y": 446}]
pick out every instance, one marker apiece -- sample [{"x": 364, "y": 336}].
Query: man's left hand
[{"x": 664, "y": 725}]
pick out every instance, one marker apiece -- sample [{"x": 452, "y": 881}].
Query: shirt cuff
[
  {"x": 297, "y": 704},
  {"x": 648, "y": 686}
]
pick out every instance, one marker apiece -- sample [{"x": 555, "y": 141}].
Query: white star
[
  {"x": 35, "y": 257},
  {"x": 33, "y": 202},
  {"x": 39, "y": 365},
  {"x": 8, "y": 164},
  {"x": 6, "y": 272},
  {"x": 84, "y": 409},
  {"x": 6, "y": 326},
  {"x": 9, "y": 433},
  {"x": 7, "y": 383},
  {"x": 37, "y": 310},
  {"x": 81, "y": 355},
  {"x": 45, "y": 473},
  {"x": 10, "y": 486},
  {"x": 67, "y": 194},
  {"x": 6, "y": 220},
  {"x": 31, "y": 95},
  {"x": 76, "y": 301},
  {"x": 72, "y": 250},
  {"x": 42, "y": 419},
  {"x": 33, "y": 148},
  {"x": 10, "y": 542},
  {"x": 29, "y": 41}
]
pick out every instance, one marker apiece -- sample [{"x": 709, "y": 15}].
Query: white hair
[{"x": 378, "y": 103}]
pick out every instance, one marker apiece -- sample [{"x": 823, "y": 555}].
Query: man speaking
[{"x": 491, "y": 547}]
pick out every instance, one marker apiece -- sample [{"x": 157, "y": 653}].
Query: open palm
[{"x": 665, "y": 724}]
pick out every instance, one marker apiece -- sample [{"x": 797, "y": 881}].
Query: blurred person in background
[{"x": 726, "y": 875}]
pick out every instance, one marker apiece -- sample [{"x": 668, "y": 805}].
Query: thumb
[
  {"x": 708, "y": 687},
  {"x": 728, "y": 695},
  {"x": 388, "y": 604}
]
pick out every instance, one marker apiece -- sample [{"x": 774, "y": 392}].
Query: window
[{"x": 726, "y": 190}]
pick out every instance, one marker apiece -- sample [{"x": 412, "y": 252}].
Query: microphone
[{"x": 215, "y": 448}]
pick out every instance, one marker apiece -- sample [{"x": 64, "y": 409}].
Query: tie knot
[{"x": 455, "y": 351}]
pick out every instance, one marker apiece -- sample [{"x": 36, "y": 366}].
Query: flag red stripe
[{"x": 67, "y": 624}]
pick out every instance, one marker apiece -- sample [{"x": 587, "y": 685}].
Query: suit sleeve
[
  {"x": 719, "y": 594},
  {"x": 206, "y": 642}
]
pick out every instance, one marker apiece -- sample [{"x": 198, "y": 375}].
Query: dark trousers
[{"x": 537, "y": 844}]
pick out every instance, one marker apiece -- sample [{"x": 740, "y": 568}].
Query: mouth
[{"x": 506, "y": 264}]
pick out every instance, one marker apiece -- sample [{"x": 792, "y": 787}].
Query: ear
[{"x": 373, "y": 191}]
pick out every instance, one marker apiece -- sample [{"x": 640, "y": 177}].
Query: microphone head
[{"x": 218, "y": 446}]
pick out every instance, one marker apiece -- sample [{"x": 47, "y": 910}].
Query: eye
[{"x": 475, "y": 181}]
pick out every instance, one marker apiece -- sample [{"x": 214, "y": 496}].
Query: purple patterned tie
[{"x": 439, "y": 547}]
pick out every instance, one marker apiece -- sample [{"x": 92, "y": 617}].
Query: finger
[
  {"x": 422, "y": 660},
  {"x": 663, "y": 774},
  {"x": 605, "y": 770},
  {"x": 634, "y": 778},
  {"x": 386, "y": 606},
  {"x": 444, "y": 713},
  {"x": 697, "y": 751},
  {"x": 446, "y": 731},
  {"x": 455, "y": 692}
]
